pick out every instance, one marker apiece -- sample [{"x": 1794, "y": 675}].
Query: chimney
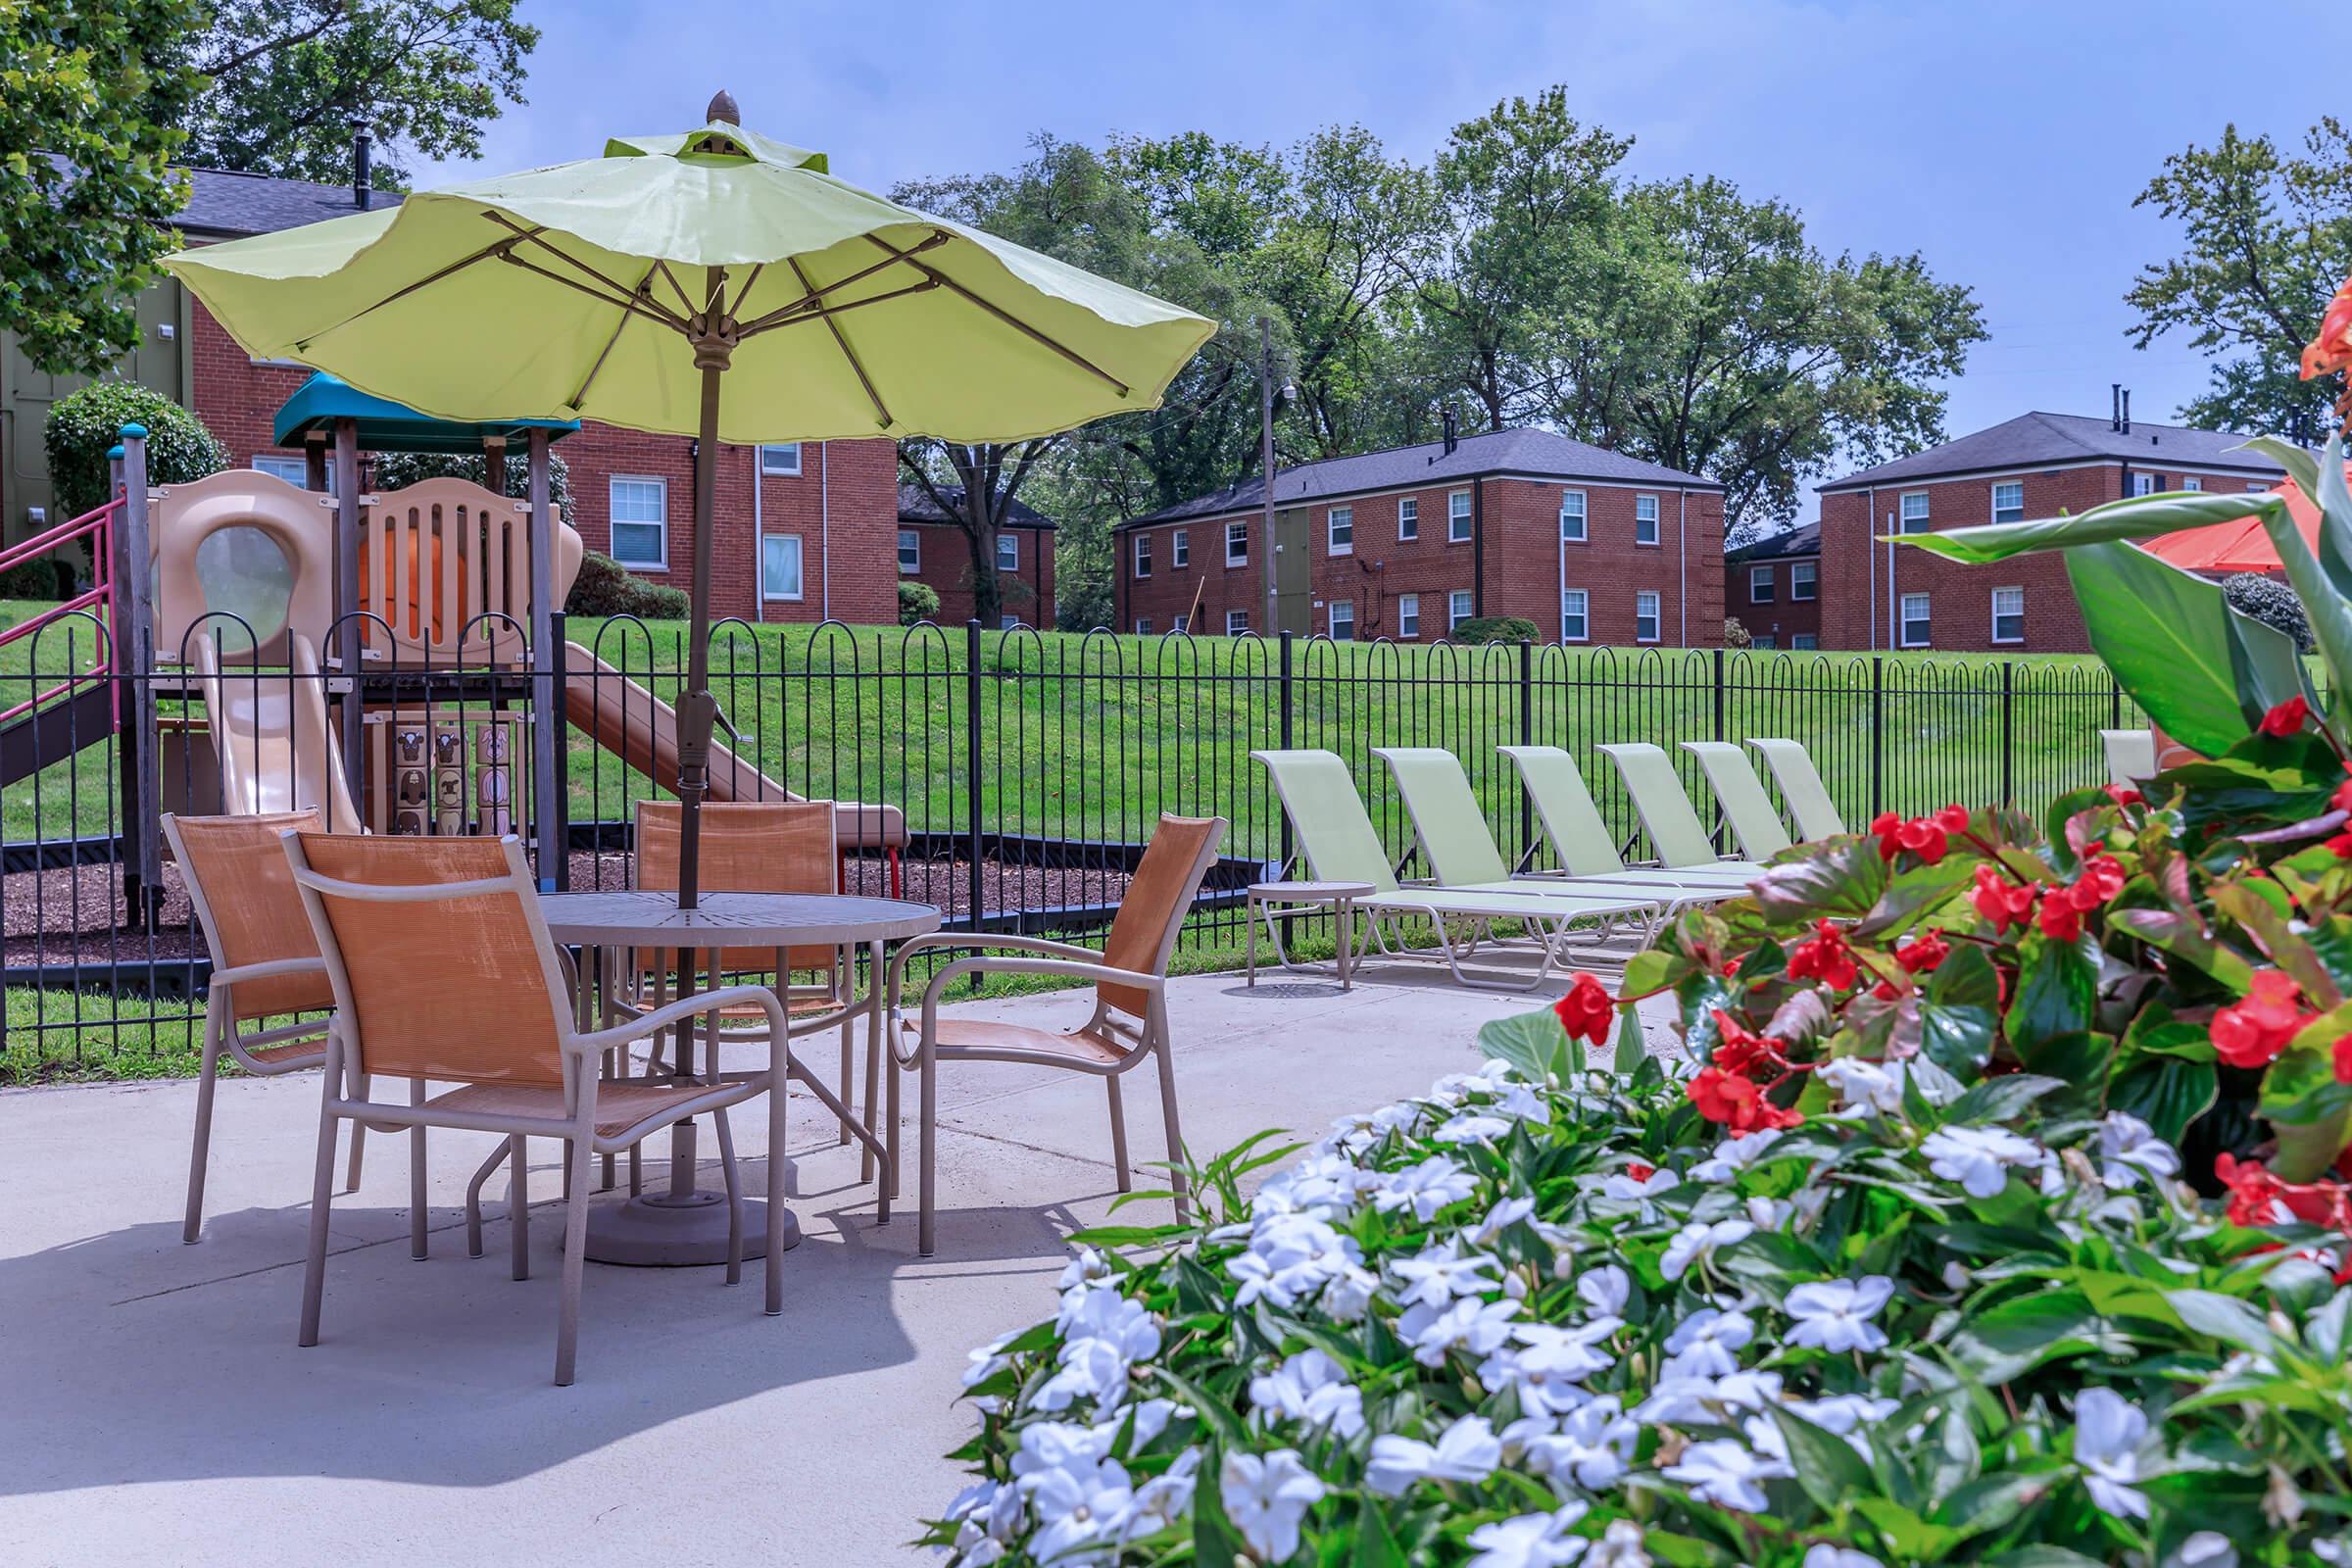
[
  {"x": 2127, "y": 410},
  {"x": 2115, "y": 404},
  {"x": 363, "y": 171},
  {"x": 1452, "y": 433}
]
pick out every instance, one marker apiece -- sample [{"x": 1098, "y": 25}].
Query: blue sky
[{"x": 2004, "y": 142}]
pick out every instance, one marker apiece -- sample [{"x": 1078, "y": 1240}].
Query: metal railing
[{"x": 97, "y": 526}]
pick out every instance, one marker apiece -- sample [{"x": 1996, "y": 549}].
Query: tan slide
[{"x": 276, "y": 745}]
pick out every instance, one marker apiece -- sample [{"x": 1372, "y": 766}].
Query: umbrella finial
[{"x": 723, "y": 107}]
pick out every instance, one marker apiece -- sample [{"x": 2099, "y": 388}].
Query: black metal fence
[{"x": 1029, "y": 767}]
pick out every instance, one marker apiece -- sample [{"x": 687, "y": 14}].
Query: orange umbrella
[{"x": 2239, "y": 545}]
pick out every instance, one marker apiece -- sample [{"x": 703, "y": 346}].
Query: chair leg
[
  {"x": 734, "y": 1181},
  {"x": 849, "y": 1066},
  {"x": 473, "y": 1199},
  {"x": 1118, "y": 1136},
  {"x": 773, "y": 1307},
  {"x": 610, "y": 1069},
  {"x": 210, "y": 1071},
  {"x": 417, "y": 1239},
  {"x": 359, "y": 1140},
  {"x": 323, "y": 1192},
  {"x": 636, "y": 1172},
  {"x": 891, "y": 1116},
  {"x": 518, "y": 1206},
  {"x": 1168, "y": 1112},
  {"x": 926, "y": 1157},
  {"x": 577, "y": 1154},
  {"x": 876, "y": 1020}
]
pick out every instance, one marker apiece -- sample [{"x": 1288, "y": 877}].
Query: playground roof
[{"x": 388, "y": 427}]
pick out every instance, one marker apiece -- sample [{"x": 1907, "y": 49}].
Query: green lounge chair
[
  {"x": 1674, "y": 829},
  {"x": 2131, "y": 755},
  {"x": 1801, "y": 789},
  {"x": 1339, "y": 843},
  {"x": 1740, "y": 796},
  {"x": 1582, "y": 841}
]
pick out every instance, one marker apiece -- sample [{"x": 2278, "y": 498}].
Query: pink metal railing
[{"x": 97, "y": 525}]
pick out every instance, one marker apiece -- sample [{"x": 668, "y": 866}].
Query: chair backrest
[
  {"x": 747, "y": 847},
  {"x": 441, "y": 961},
  {"x": 1445, "y": 814},
  {"x": 1564, "y": 806},
  {"x": 1741, "y": 794},
  {"x": 2130, "y": 755},
  {"x": 244, "y": 897},
  {"x": 1674, "y": 828},
  {"x": 1158, "y": 895},
  {"x": 1333, "y": 830},
  {"x": 1801, "y": 789}
]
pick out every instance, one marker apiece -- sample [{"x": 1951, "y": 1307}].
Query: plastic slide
[{"x": 270, "y": 732}]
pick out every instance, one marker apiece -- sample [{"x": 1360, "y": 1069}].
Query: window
[
  {"x": 1457, "y": 608},
  {"x": 784, "y": 458},
  {"x": 1915, "y": 512},
  {"x": 2255, "y": 487},
  {"x": 2189, "y": 481},
  {"x": 1408, "y": 518},
  {"x": 2146, "y": 484},
  {"x": 1646, "y": 520},
  {"x": 2009, "y": 501},
  {"x": 1341, "y": 620},
  {"x": 1408, "y": 615},
  {"x": 1915, "y": 621},
  {"x": 1181, "y": 623},
  {"x": 1576, "y": 623},
  {"x": 1008, "y": 621},
  {"x": 1457, "y": 517},
  {"x": 2008, "y": 614},
  {"x": 294, "y": 470},
  {"x": 910, "y": 551},
  {"x": 780, "y": 565},
  {"x": 1763, "y": 640},
  {"x": 1572, "y": 515},
  {"x": 1143, "y": 555},
  {"x": 1804, "y": 641},
  {"x": 1237, "y": 621},
  {"x": 641, "y": 522},
  {"x": 1646, "y": 616},
  {"x": 1008, "y": 551},
  {"x": 1142, "y": 626},
  {"x": 1180, "y": 550},
  {"x": 1801, "y": 577},
  {"x": 1236, "y": 543},
  {"x": 1340, "y": 528},
  {"x": 1759, "y": 585}
]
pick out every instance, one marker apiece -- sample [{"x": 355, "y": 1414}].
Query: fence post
[
  {"x": 1878, "y": 732},
  {"x": 549, "y": 715},
  {"x": 2008, "y": 731},
  {"x": 1285, "y": 690},
  {"x": 971, "y": 766},
  {"x": 2115, "y": 702},
  {"x": 136, "y": 623},
  {"x": 1719, "y": 662}
]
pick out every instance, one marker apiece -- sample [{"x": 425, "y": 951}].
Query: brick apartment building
[
  {"x": 1410, "y": 541},
  {"x": 802, "y": 531},
  {"x": 934, "y": 550},
  {"x": 1876, "y": 595},
  {"x": 1772, "y": 587}
]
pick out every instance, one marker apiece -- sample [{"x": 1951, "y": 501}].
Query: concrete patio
[{"x": 157, "y": 1410}]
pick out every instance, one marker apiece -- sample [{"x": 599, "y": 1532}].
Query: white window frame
[
  {"x": 2021, "y": 613},
  {"x": 1461, "y": 604},
  {"x": 295, "y": 471},
  {"x": 1926, "y": 618},
  {"x": 1652, "y": 537},
  {"x": 2000, "y": 486},
  {"x": 2190, "y": 482},
  {"x": 1575, "y": 604},
  {"x": 1237, "y": 534},
  {"x": 1764, "y": 640},
  {"x": 615, "y": 522},
  {"x": 1759, "y": 584},
  {"x": 911, "y": 541},
  {"x": 1180, "y": 623},
  {"x": 799, "y": 549},
  {"x": 1805, "y": 579},
  {"x": 1408, "y": 616},
  {"x": 1334, "y": 517},
  {"x": 2145, "y": 484},
  {"x": 1460, "y": 514},
  {"x": 1905, "y": 522},
  {"x": 1180, "y": 551},
  {"x": 1138, "y": 560},
  {"x": 1804, "y": 641},
  {"x": 1006, "y": 540},
  {"x": 1237, "y": 622},
  {"x": 1408, "y": 518},
  {"x": 1578, "y": 515},
  {"x": 1142, "y": 626},
  {"x": 1657, "y": 615},
  {"x": 1334, "y": 624},
  {"x": 773, "y": 463}
]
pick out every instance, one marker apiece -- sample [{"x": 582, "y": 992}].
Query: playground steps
[{"x": 56, "y": 731}]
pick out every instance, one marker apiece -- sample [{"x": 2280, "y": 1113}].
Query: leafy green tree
[
  {"x": 2267, "y": 237},
  {"x": 91, "y": 99}
]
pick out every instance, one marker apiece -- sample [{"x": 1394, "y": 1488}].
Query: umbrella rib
[
  {"x": 685, "y": 305},
  {"x": 1004, "y": 316},
  {"x": 820, "y": 312},
  {"x": 497, "y": 247},
  {"x": 744, "y": 293},
  {"x": 635, "y": 304},
  {"x": 620, "y": 293},
  {"x": 597, "y": 369},
  {"x": 841, "y": 341},
  {"x": 783, "y": 313}
]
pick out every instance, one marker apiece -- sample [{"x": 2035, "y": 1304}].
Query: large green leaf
[
  {"x": 2185, "y": 938},
  {"x": 2168, "y": 1092},
  {"x": 2323, "y": 592},
  {"x": 1536, "y": 1043},
  {"x": 1844, "y": 879},
  {"x": 2300, "y": 465},
  {"x": 2133, "y": 517}
]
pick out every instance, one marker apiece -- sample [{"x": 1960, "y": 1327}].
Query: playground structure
[{"x": 381, "y": 658}]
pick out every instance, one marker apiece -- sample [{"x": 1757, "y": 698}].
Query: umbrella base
[{"x": 689, "y": 1230}]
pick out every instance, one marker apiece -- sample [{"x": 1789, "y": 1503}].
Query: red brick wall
[
  {"x": 1784, "y": 617},
  {"x": 946, "y": 565},
  {"x": 1855, "y": 569}
]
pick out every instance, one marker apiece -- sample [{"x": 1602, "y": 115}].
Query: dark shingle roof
[
  {"x": 2039, "y": 438},
  {"x": 1541, "y": 454},
  {"x": 1788, "y": 545},
  {"x": 223, "y": 205},
  {"x": 916, "y": 506}
]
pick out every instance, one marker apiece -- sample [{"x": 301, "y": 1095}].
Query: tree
[
  {"x": 91, "y": 98},
  {"x": 2268, "y": 237},
  {"x": 292, "y": 81}
]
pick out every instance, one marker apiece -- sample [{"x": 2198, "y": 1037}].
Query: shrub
[
  {"x": 604, "y": 588},
  {"x": 1496, "y": 630},
  {"x": 1735, "y": 635},
  {"x": 396, "y": 470},
  {"x": 47, "y": 579},
  {"x": 918, "y": 602},
  {"x": 84, "y": 425},
  {"x": 2271, "y": 602}
]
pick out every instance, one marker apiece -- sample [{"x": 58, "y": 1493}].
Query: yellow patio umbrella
[{"x": 713, "y": 283}]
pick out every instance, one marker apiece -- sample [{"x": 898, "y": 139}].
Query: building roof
[
  {"x": 1791, "y": 544},
  {"x": 388, "y": 427},
  {"x": 916, "y": 506},
  {"x": 1524, "y": 453},
  {"x": 2041, "y": 439},
  {"x": 221, "y": 205}
]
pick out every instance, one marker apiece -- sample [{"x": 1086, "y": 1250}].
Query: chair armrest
[
  {"x": 980, "y": 939},
  {"x": 266, "y": 970},
  {"x": 1099, "y": 974},
  {"x": 590, "y": 1045}
]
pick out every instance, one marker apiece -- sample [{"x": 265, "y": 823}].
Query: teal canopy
[{"x": 388, "y": 427}]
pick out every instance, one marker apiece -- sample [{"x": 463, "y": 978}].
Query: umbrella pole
[{"x": 697, "y": 710}]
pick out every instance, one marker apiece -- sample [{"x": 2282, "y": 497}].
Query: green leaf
[
  {"x": 1536, "y": 1045},
  {"x": 2021, "y": 1333},
  {"x": 1906, "y": 1537},
  {"x": 1827, "y": 1466},
  {"x": 1966, "y": 979},
  {"x": 1214, "y": 1540},
  {"x": 2300, "y": 465},
  {"x": 2300, "y": 1088},
  {"x": 2235, "y": 1322},
  {"x": 1959, "y": 1040},
  {"x": 1844, "y": 879},
  {"x": 1631, "y": 1052},
  {"x": 2185, "y": 938},
  {"x": 2057, "y": 990},
  {"x": 2001, "y": 1099},
  {"x": 1376, "y": 1545},
  {"x": 2132, "y": 517},
  {"x": 2168, "y": 1092},
  {"x": 2043, "y": 1557}
]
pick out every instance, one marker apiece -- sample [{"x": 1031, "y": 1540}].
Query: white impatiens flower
[
  {"x": 1084, "y": 1266},
  {"x": 1090, "y": 1369},
  {"x": 1545, "y": 1368},
  {"x": 1726, "y": 1474},
  {"x": 1821, "y": 1554},
  {"x": 1704, "y": 1343},
  {"x": 1311, "y": 1387},
  {"x": 1736, "y": 1155},
  {"x": 1864, "y": 1087},
  {"x": 1531, "y": 1541},
  {"x": 1100, "y": 1312},
  {"x": 1606, "y": 1290},
  {"x": 1590, "y": 1446},
  {"x": 1426, "y": 1188},
  {"x": 1836, "y": 1315},
  {"x": 1077, "y": 1507},
  {"x": 1467, "y": 1451},
  {"x": 1695, "y": 1242},
  {"x": 1290, "y": 1256},
  {"x": 1506, "y": 1213},
  {"x": 2207, "y": 1548},
  {"x": 2108, "y": 1433},
  {"x": 1848, "y": 1415},
  {"x": 1474, "y": 1127},
  {"x": 1628, "y": 1188},
  {"x": 1266, "y": 1499},
  {"x": 1164, "y": 1498},
  {"x": 1619, "y": 1546},
  {"x": 2129, "y": 1149},
  {"x": 1979, "y": 1158},
  {"x": 1438, "y": 1274},
  {"x": 1469, "y": 1324}
]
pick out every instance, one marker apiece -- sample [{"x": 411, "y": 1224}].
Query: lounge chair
[
  {"x": 1667, "y": 816},
  {"x": 1801, "y": 789},
  {"x": 1740, "y": 795},
  {"x": 444, "y": 973},
  {"x": 1582, "y": 841},
  {"x": 2131, "y": 755},
  {"x": 1129, "y": 1024},
  {"x": 1340, "y": 845}
]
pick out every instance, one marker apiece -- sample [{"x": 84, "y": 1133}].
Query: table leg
[
  {"x": 877, "y": 1042},
  {"x": 1250, "y": 918},
  {"x": 1343, "y": 912}
]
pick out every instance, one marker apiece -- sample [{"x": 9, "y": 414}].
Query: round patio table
[{"x": 687, "y": 1224}]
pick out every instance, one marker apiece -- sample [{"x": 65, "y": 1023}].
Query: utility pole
[{"x": 1265, "y": 463}]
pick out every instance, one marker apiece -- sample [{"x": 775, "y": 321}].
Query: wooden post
[
  {"x": 142, "y": 871},
  {"x": 348, "y": 628},
  {"x": 494, "y": 464},
  {"x": 314, "y": 465},
  {"x": 547, "y": 692}
]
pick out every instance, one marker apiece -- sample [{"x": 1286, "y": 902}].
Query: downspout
[
  {"x": 1682, "y": 550},
  {"x": 1870, "y": 560},
  {"x": 1478, "y": 547},
  {"x": 824, "y": 527},
  {"x": 759, "y": 542}
]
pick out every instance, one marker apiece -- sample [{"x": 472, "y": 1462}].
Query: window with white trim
[
  {"x": 1646, "y": 616},
  {"x": 1458, "y": 608},
  {"x": 1409, "y": 516},
  {"x": 294, "y": 470},
  {"x": 1572, "y": 517},
  {"x": 1180, "y": 623},
  {"x": 2146, "y": 484},
  {"x": 1915, "y": 512},
  {"x": 1575, "y": 616},
  {"x": 1236, "y": 543},
  {"x": 1915, "y": 621},
  {"x": 1340, "y": 618},
  {"x": 1339, "y": 530},
  {"x": 1008, "y": 551},
  {"x": 2190, "y": 482},
  {"x": 1180, "y": 550},
  {"x": 1805, "y": 641},
  {"x": 2255, "y": 487},
  {"x": 2008, "y": 614},
  {"x": 1802, "y": 575},
  {"x": 640, "y": 515},
  {"x": 1408, "y": 615},
  {"x": 910, "y": 551},
  {"x": 1237, "y": 621},
  {"x": 1759, "y": 585},
  {"x": 1646, "y": 520},
  {"x": 782, "y": 458},
  {"x": 1142, "y": 626},
  {"x": 1764, "y": 640},
  {"x": 2009, "y": 501},
  {"x": 780, "y": 565},
  {"x": 1008, "y": 621},
  {"x": 1457, "y": 517},
  {"x": 1143, "y": 555}
]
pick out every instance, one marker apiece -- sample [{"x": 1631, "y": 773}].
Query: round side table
[{"x": 1266, "y": 897}]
